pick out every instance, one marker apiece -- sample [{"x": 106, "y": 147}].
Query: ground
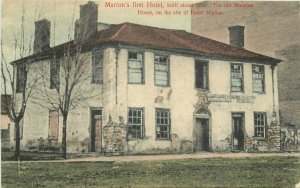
[{"x": 198, "y": 170}]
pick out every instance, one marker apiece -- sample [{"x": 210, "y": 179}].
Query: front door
[
  {"x": 202, "y": 134},
  {"x": 96, "y": 131},
  {"x": 238, "y": 131}
]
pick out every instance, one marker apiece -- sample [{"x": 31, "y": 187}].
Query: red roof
[{"x": 173, "y": 40}]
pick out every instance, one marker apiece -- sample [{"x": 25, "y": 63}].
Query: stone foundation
[
  {"x": 114, "y": 136},
  {"x": 270, "y": 143}
]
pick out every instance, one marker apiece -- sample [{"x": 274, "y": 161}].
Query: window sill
[
  {"x": 203, "y": 90},
  {"x": 241, "y": 92},
  {"x": 163, "y": 139},
  {"x": 259, "y": 93},
  {"x": 260, "y": 138},
  {"x": 136, "y": 83},
  {"x": 162, "y": 85},
  {"x": 135, "y": 139}
]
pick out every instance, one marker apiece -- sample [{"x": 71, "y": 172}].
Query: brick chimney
[
  {"x": 236, "y": 36},
  {"x": 86, "y": 25},
  {"x": 42, "y": 35}
]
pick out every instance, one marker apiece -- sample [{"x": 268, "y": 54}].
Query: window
[
  {"x": 135, "y": 68},
  {"x": 161, "y": 70},
  {"x": 54, "y": 74},
  {"x": 163, "y": 123},
  {"x": 53, "y": 124},
  {"x": 201, "y": 74},
  {"x": 260, "y": 122},
  {"x": 237, "y": 78},
  {"x": 258, "y": 76},
  {"x": 5, "y": 134},
  {"x": 135, "y": 123},
  {"x": 20, "y": 78},
  {"x": 97, "y": 69}
]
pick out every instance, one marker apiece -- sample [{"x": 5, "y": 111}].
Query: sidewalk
[{"x": 198, "y": 155}]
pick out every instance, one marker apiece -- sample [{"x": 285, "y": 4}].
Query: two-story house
[{"x": 170, "y": 90}]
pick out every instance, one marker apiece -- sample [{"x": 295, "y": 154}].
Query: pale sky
[{"x": 63, "y": 13}]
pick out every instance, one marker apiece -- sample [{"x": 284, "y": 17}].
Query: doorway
[
  {"x": 238, "y": 131},
  {"x": 202, "y": 134},
  {"x": 96, "y": 130}
]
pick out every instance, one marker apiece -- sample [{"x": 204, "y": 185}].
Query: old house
[{"x": 160, "y": 90}]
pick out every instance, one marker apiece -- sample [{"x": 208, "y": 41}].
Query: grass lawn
[
  {"x": 213, "y": 172},
  {"x": 30, "y": 156}
]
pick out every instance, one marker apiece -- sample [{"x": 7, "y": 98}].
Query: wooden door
[
  {"x": 53, "y": 124},
  {"x": 96, "y": 131},
  {"x": 238, "y": 131},
  {"x": 202, "y": 134}
]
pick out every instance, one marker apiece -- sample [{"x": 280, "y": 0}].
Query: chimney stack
[
  {"x": 236, "y": 36},
  {"x": 86, "y": 25},
  {"x": 42, "y": 35}
]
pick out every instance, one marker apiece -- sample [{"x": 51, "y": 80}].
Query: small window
[
  {"x": 135, "y": 68},
  {"x": 53, "y": 124},
  {"x": 54, "y": 74},
  {"x": 20, "y": 78},
  {"x": 258, "y": 76},
  {"x": 260, "y": 122},
  {"x": 161, "y": 70},
  {"x": 135, "y": 123},
  {"x": 201, "y": 74},
  {"x": 97, "y": 69},
  {"x": 5, "y": 134},
  {"x": 237, "y": 78},
  {"x": 163, "y": 123}
]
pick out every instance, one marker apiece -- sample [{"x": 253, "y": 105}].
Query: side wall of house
[{"x": 36, "y": 120}]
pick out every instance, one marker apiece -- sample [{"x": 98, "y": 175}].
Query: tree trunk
[
  {"x": 64, "y": 137},
  {"x": 17, "y": 139}
]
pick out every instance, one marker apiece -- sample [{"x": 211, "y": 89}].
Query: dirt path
[{"x": 166, "y": 157}]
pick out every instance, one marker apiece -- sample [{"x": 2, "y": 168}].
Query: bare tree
[
  {"x": 16, "y": 82},
  {"x": 69, "y": 80}
]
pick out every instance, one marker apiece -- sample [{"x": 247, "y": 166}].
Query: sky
[{"x": 62, "y": 14}]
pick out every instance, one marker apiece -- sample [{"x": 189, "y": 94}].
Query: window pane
[
  {"x": 161, "y": 70},
  {"x": 162, "y": 124},
  {"x": 97, "y": 72},
  {"x": 135, "y": 76},
  {"x": 135, "y": 64},
  {"x": 135, "y": 123},
  {"x": 135, "y": 68},
  {"x": 236, "y": 77},
  {"x": 259, "y": 124},
  {"x": 258, "y": 78}
]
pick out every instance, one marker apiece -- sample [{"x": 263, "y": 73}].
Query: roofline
[{"x": 44, "y": 55}]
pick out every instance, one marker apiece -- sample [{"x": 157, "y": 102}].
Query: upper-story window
[
  {"x": 20, "y": 78},
  {"x": 258, "y": 78},
  {"x": 201, "y": 74},
  {"x": 97, "y": 69},
  {"x": 135, "y": 68},
  {"x": 237, "y": 84},
  {"x": 54, "y": 74},
  {"x": 161, "y": 70}
]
